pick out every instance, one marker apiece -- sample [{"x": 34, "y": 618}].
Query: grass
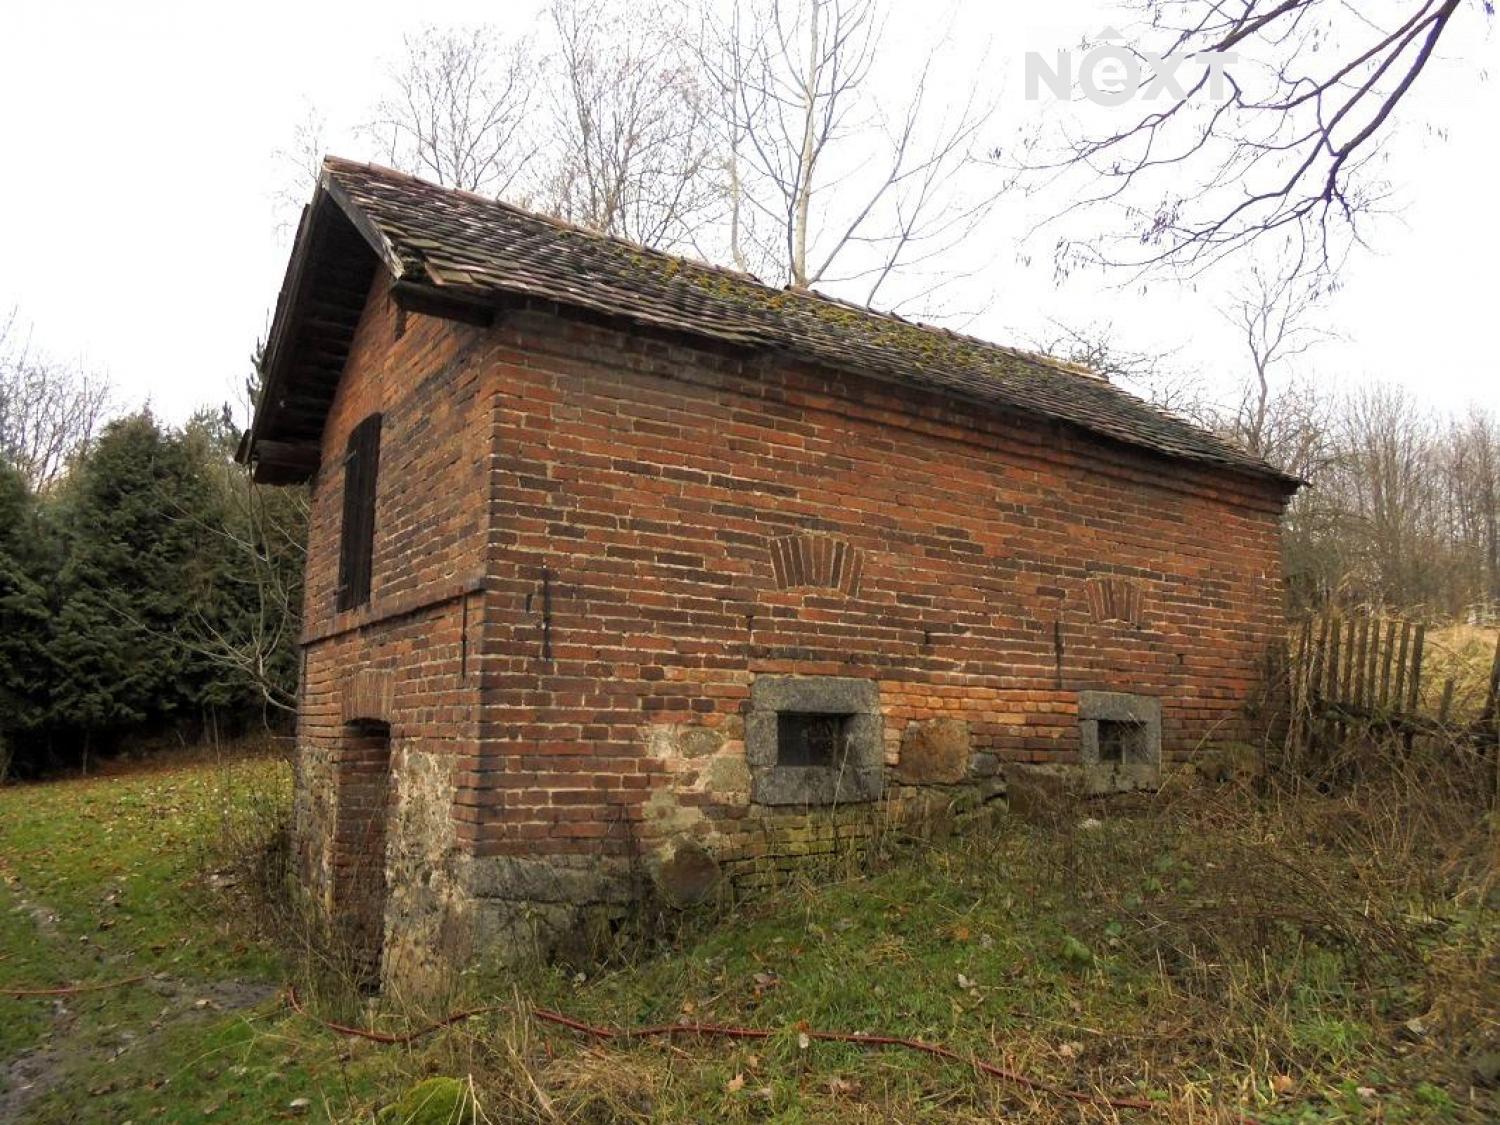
[
  {"x": 1465, "y": 655},
  {"x": 1295, "y": 958},
  {"x": 106, "y": 879},
  {"x": 1127, "y": 958}
]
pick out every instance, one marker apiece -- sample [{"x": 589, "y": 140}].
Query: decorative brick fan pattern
[
  {"x": 816, "y": 561},
  {"x": 1114, "y": 599}
]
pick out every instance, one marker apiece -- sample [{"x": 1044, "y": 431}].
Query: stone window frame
[
  {"x": 1095, "y": 707},
  {"x": 859, "y": 777}
]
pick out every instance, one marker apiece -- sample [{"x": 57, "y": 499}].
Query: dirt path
[
  {"x": 33, "y": 1074},
  {"x": 72, "y": 1041}
]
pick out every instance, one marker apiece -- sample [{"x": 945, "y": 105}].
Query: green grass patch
[{"x": 1300, "y": 960}]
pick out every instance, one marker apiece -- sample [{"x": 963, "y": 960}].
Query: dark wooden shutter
[{"x": 357, "y": 537}]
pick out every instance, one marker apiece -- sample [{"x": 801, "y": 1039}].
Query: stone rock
[
  {"x": 449, "y": 1101},
  {"x": 689, "y": 876},
  {"x": 699, "y": 742},
  {"x": 667, "y": 815},
  {"x": 935, "y": 752},
  {"x": 984, "y": 764},
  {"x": 545, "y": 879},
  {"x": 1221, "y": 763},
  {"x": 1040, "y": 792},
  {"x": 991, "y": 788},
  {"x": 728, "y": 775},
  {"x": 671, "y": 741}
]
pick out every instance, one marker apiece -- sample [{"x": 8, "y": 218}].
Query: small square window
[
  {"x": 813, "y": 741},
  {"x": 1119, "y": 740},
  {"x": 1122, "y": 741}
]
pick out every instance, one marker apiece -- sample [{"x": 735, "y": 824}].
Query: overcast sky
[{"x": 141, "y": 236}]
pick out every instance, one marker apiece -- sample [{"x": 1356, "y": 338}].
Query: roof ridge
[
  {"x": 481, "y": 246},
  {"x": 1070, "y": 366},
  {"x": 541, "y": 216},
  {"x": 805, "y": 291}
]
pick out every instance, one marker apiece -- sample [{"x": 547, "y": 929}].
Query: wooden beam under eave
[
  {"x": 285, "y": 462},
  {"x": 427, "y": 300}
]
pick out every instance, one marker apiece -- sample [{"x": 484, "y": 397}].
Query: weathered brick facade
[
  {"x": 592, "y": 541},
  {"x": 589, "y": 544}
]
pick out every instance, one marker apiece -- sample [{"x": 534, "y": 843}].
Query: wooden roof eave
[{"x": 273, "y": 459}]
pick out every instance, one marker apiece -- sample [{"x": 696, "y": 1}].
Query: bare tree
[
  {"x": 459, "y": 109},
  {"x": 633, "y": 142},
  {"x": 1384, "y": 480},
  {"x": 1471, "y": 489},
  {"x": 49, "y": 410},
  {"x": 247, "y": 622},
  {"x": 826, "y": 185},
  {"x": 1156, "y": 376},
  {"x": 1291, "y": 147},
  {"x": 1273, "y": 311},
  {"x": 300, "y": 163},
  {"x": 264, "y": 531}
]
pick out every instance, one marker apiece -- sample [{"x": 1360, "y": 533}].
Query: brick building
[{"x": 626, "y": 572}]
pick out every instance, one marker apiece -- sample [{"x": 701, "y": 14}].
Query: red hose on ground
[
  {"x": 70, "y": 990},
  {"x": 295, "y": 1003},
  {"x": 706, "y": 1030},
  {"x": 933, "y": 1049}
]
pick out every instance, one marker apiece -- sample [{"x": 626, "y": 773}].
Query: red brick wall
[
  {"x": 652, "y": 481},
  {"x": 667, "y": 508},
  {"x": 424, "y": 616}
]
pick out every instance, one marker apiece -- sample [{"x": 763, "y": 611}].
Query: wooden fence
[{"x": 1359, "y": 667}]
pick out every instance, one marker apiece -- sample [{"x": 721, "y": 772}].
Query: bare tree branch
[
  {"x": 459, "y": 109},
  {"x": 634, "y": 146},
  {"x": 1273, "y": 311},
  {"x": 1290, "y": 153},
  {"x": 825, "y": 185},
  {"x": 49, "y": 410}
]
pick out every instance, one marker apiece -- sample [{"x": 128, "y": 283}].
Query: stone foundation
[{"x": 428, "y": 920}]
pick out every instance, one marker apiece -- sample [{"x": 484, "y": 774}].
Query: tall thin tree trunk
[
  {"x": 737, "y": 252},
  {"x": 809, "y": 150}
]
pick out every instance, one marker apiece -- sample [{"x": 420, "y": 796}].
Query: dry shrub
[
  {"x": 1290, "y": 922},
  {"x": 1464, "y": 654},
  {"x": 598, "y": 1087},
  {"x": 251, "y": 855}
]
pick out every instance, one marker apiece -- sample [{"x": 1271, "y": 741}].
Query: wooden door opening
[{"x": 359, "y": 883}]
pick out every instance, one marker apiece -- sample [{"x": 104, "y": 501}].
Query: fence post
[
  {"x": 1398, "y": 698},
  {"x": 1385, "y": 665},
  {"x": 1416, "y": 668},
  {"x": 1491, "y": 712},
  {"x": 1361, "y": 646}
]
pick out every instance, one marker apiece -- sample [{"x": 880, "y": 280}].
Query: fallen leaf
[{"x": 735, "y": 1084}]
